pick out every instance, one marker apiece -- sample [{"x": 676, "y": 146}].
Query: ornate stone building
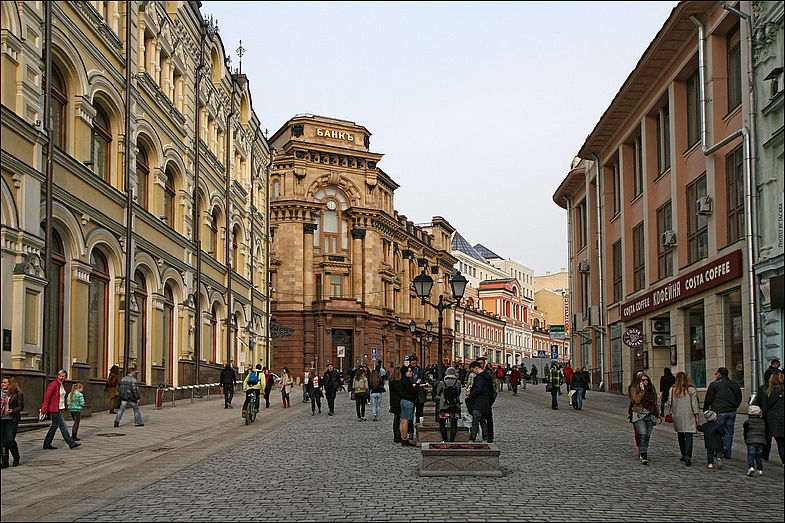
[
  {"x": 342, "y": 260},
  {"x": 178, "y": 292}
]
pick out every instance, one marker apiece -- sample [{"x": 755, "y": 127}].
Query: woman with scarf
[{"x": 644, "y": 412}]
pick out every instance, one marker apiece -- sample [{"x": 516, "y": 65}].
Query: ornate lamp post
[
  {"x": 428, "y": 337},
  {"x": 423, "y": 284}
]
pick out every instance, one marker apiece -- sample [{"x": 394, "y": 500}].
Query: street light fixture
[{"x": 423, "y": 284}]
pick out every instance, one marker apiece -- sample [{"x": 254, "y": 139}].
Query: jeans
[
  {"x": 478, "y": 421},
  {"x": 397, "y": 428},
  {"x": 285, "y": 398},
  {"x": 267, "y": 399},
  {"x": 754, "y": 459},
  {"x": 359, "y": 401},
  {"x": 255, "y": 393},
  {"x": 489, "y": 423},
  {"x": 534, "y": 380},
  {"x": 577, "y": 398},
  {"x": 685, "y": 444},
  {"x": 58, "y": 423},
  {"x": 228, "y": 394},
  {"x": 316, "y": 401},
  {"x": 137, "y": 413},
  {"x": 305, "y": 394},
  {"x": 644, "y": 427},
  {"x": 514, "y": 389},
  {"x": 77, "y": 417},
  {"x": 9, "y": 429},
  {"x": 330, "y": 399},
  {"x": 727, "y": 420},
  {"x": 712, "y": 455},
  {"x": 376, "y": 404},
  {"x": 554, "y": 401}
]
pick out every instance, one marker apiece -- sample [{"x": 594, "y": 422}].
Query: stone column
[
  {"x": 358, "y": 236},
  {"x": 309, "y": 294}
]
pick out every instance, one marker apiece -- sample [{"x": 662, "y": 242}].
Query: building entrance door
[{"x": 342, "y": 338}]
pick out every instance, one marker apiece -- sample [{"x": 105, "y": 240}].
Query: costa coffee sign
[{"x": 710, "y": 275}]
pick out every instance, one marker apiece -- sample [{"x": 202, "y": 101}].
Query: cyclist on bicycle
[{"x": 253, "y": 383}]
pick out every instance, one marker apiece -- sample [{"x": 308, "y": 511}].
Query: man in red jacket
[
  {"x": 567, "y": 371},
  {"x": 54, "y": 405}
]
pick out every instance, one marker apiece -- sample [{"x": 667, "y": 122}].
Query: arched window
[
  {"x": 97, "y": 313},
  {"x": 102, "y": 139},
  {"x": 235, "y": 338},
  {"x": 236, "y": 249},
  {"x": 58, "y": 108},
  {"x": 141, "y": 326},
  {"x": 142, "y": 176},
  {"x": 167, "y": 356},
  {"x": 213, "y": 339},
  {"x": 169, "y": 194},
  {"x": 333, "y": 237},
  {"x": 55, "y": 313},
  {"x": 214, "y": 219}
]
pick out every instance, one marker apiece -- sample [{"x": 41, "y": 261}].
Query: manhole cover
[
  {"x": 44, "y": 463},
  {"x": 111, "y": 434},
  {"x": 161, "y": 449}
]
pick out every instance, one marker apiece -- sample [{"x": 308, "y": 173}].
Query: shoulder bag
[{"x": 669, "y": 417}]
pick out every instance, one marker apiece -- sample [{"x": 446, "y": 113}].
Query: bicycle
[{"x": 250, "y": 411}]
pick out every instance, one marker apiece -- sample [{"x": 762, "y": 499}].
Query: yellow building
[{"x": 178, "y": 293}]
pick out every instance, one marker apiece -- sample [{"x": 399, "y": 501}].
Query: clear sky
[{"x": 479, "y": 108}]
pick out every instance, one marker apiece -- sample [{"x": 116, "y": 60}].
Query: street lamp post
[
  {"x": 422, "y": 286},
  {"x": 428, "y": 337}
]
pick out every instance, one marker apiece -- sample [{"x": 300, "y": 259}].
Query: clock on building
[{"x": 331, "y": 205}]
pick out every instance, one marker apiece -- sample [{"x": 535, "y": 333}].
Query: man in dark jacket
[
  {"x": 488, "y": 370},
  {"x": 227, "y": 381},
  {"x": 331, "y": 381},
  {"x": 724, "y": 397},
  {"x": 129, "y": 395},
  {"x": 578, "y": 385},
  {"x": 480, "y": 400},
  {"x": 533, "y": 374}
]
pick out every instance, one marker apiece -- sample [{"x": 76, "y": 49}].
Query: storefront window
[
  {"x": 734, "y": 336},
  {"x": 695, "y": 363},
  {"x": 616, "y": 372},
  {"x": 585, "y": 350}
]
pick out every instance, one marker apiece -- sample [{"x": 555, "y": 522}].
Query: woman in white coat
[{"x": 685, "y": 411}]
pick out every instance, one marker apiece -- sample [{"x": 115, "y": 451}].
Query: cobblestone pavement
[{"x": 558, "y": 465}]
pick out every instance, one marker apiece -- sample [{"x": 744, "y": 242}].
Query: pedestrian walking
[
  {"x": 524, "y": 376},
  {"x": 285, "y": 385},
  {"x": 376, "y": 384},
  {"x": 724, "y": 397},
  {"x": 407, "y": 392},
  {"x": 666, "y": 382},
  {"x": 129, "y": 395},
  {"x": 253, "y": 384},
  {"x": 462, "y": 374},
  {"x": 54, "y": 406},
  {"x": 586, "y": 375},
  {"x": 12, "y": 403},
  {"x": 395, "y": 404},
  {"x": 448, "y": 400},
  {"x": 533, "y": 374},
  {"x": 314, "y": 388},
  {"x": 774, "y": 411},
  {"x": 331, "y": 383},
  {"x": 488, "y": 370},
  {"x": 269, "y": 381},
  {"x": 75, "y": 403},
  {"x": 227, "y": 380},
  {"x": 418, "y": 378},
  {"x": 360, "y": 392},
  {"x": 567, "y": 373},
  {"x": 684, "y": 413},
  {"x": 499, "y": 374},
  {"x": 578, "y": 387},
  {"x": 554, "y": 385},
  {"x": 515, "y": 380},
  {"x": 480, "y": 401},
  {"x": 755, "y": 438},
  {"x": 644, "y": 415},
  {"x": 112, "y": 388},
  {"x": 306, "y": 377},
  {"x": 713, "y": 434},
  {"x": 507, "y": 374}
]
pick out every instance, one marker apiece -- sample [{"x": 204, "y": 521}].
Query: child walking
[
  {"x": 712, "y": 438},
  {"x": 75, "y": 406},
  {"x": 755, "y": 438}
]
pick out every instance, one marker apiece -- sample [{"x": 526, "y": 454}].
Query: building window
[
  {"x": 618, "y": 289},
  {"x": 58, "y": 108},
  {"x": 663, "y": 139},
  {"x": 213, "y": 226},
  {"x": 318, "y": 287},
  {"x": 213, "y": 338},
  {"x": 141, "y": 327},
  {"x": 734, "y": 172},
  {"x": 734, "y": 69},
  {"x": 169, "y": 194},
  {"x": 637, "y": 166},
  {"x": 585, "y": 293},
  {"x": 616, "y": 187},
  {"x": 167, "y": 333},
  {"x": 102, "y": 138},
  {"x": 334, "y": 226},
  {"x": 97, "y": 311},
  {"x": 664, "y": 250},
  {"x": 236, "y": 249},
  {"x": 697, "y": 224},
  {"x": 335, "y": 287},
  {"x": 616, "y": 358},
  {"x": 695, "y": 364},
  {"x": 55, "y": 313},
  {"x": 142, "y": 176},
  {"x": 734, "y": 336},
  {"x": 693, "y": 109},
  {"x": 638, "y": 257},
  {"x": 581, "y": 225}
]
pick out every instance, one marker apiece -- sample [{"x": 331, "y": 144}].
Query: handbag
[
  {"x": 548, "y": 387},
  {"x": 669, "y": 417}
]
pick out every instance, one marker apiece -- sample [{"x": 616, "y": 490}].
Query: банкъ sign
[
  {"x": 332, "y": 133},
  {"x": 712, "y": 274}
]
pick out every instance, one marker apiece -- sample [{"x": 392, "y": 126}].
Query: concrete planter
[{"x": 460, "y": 459}]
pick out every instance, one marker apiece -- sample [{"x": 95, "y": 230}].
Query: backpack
[
  {"x": 499, "y": 373},
  {"x": 451, "y": 395},
  {"x": 253, "y": 378}
]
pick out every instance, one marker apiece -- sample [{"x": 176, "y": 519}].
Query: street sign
[
  {"x": 633, "y": 338},
  {"x": 556, "y": 332},
  {"x": 406, "y": 359},
  {"x": 554, "y": 352},
  {"x": 340, "y": 351},
  {"x": 541, "y": 354}
]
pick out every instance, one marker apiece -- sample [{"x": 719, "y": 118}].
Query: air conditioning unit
[
  {"x": 577, "y": 322},
  {"x": 583, "y": 266},
  {"x": 668, "y": 238},
  {"x": 662, "y": 325},
  {"x": 660, "y": 340},
  {"x": 594, "y": 316},
  {"x": 704, "y": 205}
]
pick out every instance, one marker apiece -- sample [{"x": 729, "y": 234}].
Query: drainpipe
[
  {"x": 49, "y": 298},
  {"x": 570, "y": 277},
  {"x": 749, "y": 184},
  {"x": 227, "y": 243},
  {"x": 129, "y": 194},
  {"x": 197, "y": 236},
  {"x": 267, "y": 287},
  {"x": 253, "y": 250},
  {"x": 601, "y": 263}
]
